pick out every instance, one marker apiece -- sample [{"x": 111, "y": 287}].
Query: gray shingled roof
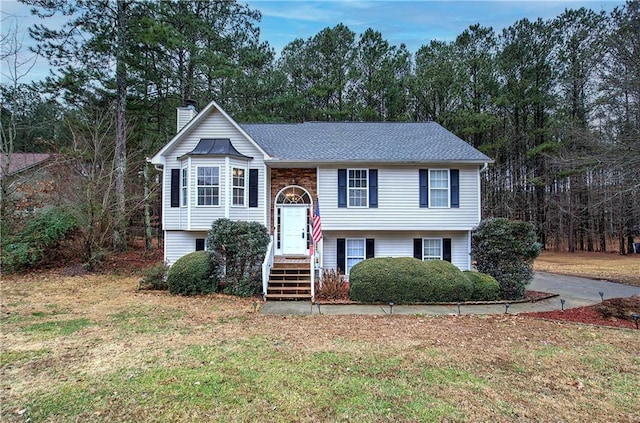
[{"x": 362, "y": 142}]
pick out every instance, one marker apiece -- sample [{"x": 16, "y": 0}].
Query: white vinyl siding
[
  {"x": 439, "y": 188},
  {"x": 398, "y": 203},
  {"x": 239, "y": 183},
  {"x": 432, "y": 249},
  {"x": 181, "y": 242},
  {"x": 208, "y": 186},
  {"x": 200, "y": 218},
  {"x": 357, "y": 187},
  {"x": 355, "y": 252},
  {"x": 397, "y": 244}
]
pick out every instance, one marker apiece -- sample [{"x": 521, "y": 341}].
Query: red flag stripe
[{"x": 316, "y": 232}]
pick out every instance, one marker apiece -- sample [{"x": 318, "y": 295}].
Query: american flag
[{"x": 316, "y": 231}]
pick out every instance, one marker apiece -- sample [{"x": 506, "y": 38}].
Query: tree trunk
[
  {"x": 148, "y": 235},
  {"x": 120, "y": 158}
]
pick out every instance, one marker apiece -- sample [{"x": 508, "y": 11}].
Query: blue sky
[{"x": 414, "y": 23}]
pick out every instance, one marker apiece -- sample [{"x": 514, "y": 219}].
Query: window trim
[
  {"x": 427, "y": 258},
  {"x": 184, "y": 186},
  {"x": 347, "y": 270},
  {"x": 234, "y": 187},
  {"x": 198, "y": 186},
  {"x": 365, "y": 189},
  {"x": 431, "y": 189}
]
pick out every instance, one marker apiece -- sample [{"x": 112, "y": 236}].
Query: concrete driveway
[
  {"x": 576, "y": 292},
  {"x": 579, "y": 292}
]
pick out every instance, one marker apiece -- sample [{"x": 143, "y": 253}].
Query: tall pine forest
[{"x": 556, "y": 104}]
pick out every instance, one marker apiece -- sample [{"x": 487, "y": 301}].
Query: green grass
[
  {"x": 9, "y": 357},
  {"x": 160, "y": 359},
  {"x": 55, "y": 328},
  {"x": 141, "y": 320},
  {"x": 247, "y": 381}
]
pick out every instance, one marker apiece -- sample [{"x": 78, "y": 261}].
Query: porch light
[
  {"x": 506, "y": 307},
  {"x": 635, "y": 318},
  {"x": 562, "y": 301},
  {"x": 391, "y": 304},
  {"x": 601, "y": 295}
]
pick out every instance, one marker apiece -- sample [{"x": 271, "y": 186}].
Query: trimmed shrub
[
  {"x": 237, "y": 251},
  {"x": 407, "y": 280},
  {"x": 450, "y": 284},
  {"x": 506, "y": 250},
  {"x": 485, "y": 287},
  {"x": 192, "y": 275}
]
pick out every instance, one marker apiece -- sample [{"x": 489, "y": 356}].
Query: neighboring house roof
[
  {"x": 19, "y": 162},
  {"x": 362, "y": 142}
]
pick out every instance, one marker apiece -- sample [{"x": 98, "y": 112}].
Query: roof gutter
[{"x": 311, "y": 163}]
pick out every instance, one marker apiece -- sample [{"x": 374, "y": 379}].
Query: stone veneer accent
[{"x": 283, "y": 177}]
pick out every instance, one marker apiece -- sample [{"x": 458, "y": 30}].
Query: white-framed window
[
  {"x": 183, "y": 187},
  {"x": 431, "y": 249},
  {"x": 355, "y": 252},
  {"x": 239, "y": 180},
  {"x": 208, "y": 186},
  {"x": 357, "y": 187},
  {"x": 439, "y": 188}
]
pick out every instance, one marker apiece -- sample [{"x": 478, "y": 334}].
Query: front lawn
[{"x": 93, "y": 348}]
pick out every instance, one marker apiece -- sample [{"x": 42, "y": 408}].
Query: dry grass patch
[
  {"x": 148, "y": 356},
  {"x": 607, "y": 266}
]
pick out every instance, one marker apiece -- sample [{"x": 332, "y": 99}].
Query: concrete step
[{"x": 284, "y": 297}]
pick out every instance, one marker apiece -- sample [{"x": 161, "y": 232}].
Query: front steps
[{"x": 289, "y": 280}]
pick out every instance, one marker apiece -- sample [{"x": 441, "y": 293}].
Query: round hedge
[
  {"x": 485, "y": 287},
  {"x": 408, "y": 280},
  {"x": 191, "y": 275}
]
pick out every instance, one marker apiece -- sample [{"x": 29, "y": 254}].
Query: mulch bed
[{"x": 615, "y": 312}]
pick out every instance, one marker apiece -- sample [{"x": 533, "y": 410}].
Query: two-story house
[{"x": 383, "y": 189}]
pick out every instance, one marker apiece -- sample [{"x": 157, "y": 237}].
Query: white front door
[{"x": 294, "y": 230}]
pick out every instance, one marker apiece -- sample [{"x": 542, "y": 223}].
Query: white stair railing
[
  {"x": 267, "y": 264},
  {"x": 312, "y": 265}
]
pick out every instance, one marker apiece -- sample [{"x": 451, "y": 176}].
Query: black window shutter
[
  {"x": 446, "y": 249},
  {"x": 370, "y": 248},
  {"x": 454, "y": 175},
  {"x": 199, "y": 244},
  {"x": 424, "y": 188},
  {"x": 175, "y": 187},
  {"x": 253, "y": 187},
  {"x": 342, "y": 187},
  {"x": 373, "y": 188},
  {"x": 342, "y": 256},
  {"x": 417, "y": 248}
]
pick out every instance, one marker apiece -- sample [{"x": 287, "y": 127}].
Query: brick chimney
[{"x": 186, "y": 113}]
